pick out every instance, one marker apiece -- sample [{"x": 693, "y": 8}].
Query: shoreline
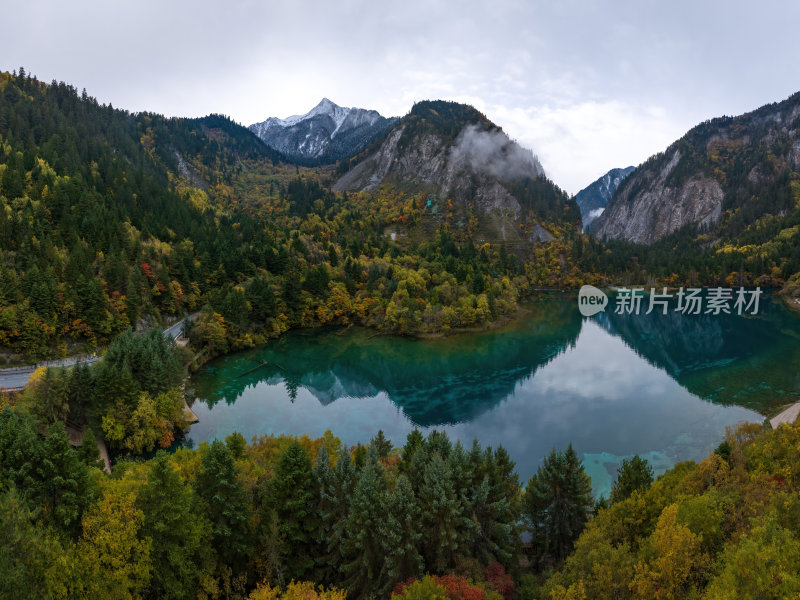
[{"x": 792, "y": 304}]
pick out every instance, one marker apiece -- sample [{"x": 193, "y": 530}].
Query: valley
[{"x": 393, "y": 381}]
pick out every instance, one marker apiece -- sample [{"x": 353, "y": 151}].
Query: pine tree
[
  {"x": 64, "y": 481},
  {"x": 401, "y": 534},
  {"x": 634, "y": 474},
  {"x": 26, "y": 553},
  {"x": 557, "y": 503},
  {"x": 364, "y": 566},
  {"x": 79, "y": 392},
  {"x": 292, "y": 495},
  {"x": 446, "y": 530},
  {"x": 88, "y": 452},
  {"x": 414, "y": 440},
  {"x": 499, "y": 511},
  {"x": 175, "y": 530},
  {"x": 226, "y": 505},
  {"x": 336, "y": 487},
  {"x": 262, "y": 299},
  {"x": 382, "y": 445},
  {"x": 50, "y": 397}
]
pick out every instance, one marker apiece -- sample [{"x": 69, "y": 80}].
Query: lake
[{"x": 661, "y": 386}]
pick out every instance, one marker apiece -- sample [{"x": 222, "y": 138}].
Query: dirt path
[{"x": 76, "y": 438}]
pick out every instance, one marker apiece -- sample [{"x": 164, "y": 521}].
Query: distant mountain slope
[
  {"x": 325, "y": 134},
  {"x": 466, "y": 168},
  {"x": 724, "y": 176},
  {"x": 592, "y": 199}
]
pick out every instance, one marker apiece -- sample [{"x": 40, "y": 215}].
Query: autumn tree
[{"x": 115, "y": 560}]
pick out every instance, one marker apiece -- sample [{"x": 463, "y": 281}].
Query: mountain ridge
[
  {"x": 721, "y": 177},
  {"x": 592, "y": 199},
  {"x": 454, "y": 156},
  {"x": 325, "y": 134}
]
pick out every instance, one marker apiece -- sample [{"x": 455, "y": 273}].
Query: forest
[
  {"x": 285, "y": 517},
  {"x": 113, "y": 222}
]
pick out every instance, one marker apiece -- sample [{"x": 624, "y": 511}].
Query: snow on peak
[{"x": 331, "y": 109}]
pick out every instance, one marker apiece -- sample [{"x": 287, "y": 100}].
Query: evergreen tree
[
  {"x": 557, "y": 504},
  {"x": 634, "y": 474},
  {"x": 336, "y": 487},
  {"x": 414, "y": 440},
  {"x": 261, "y": 298},
  {"x": 175, "y": 530},
  {"x": 401, "y": 534},
  {"x": 444, "y": 526},
  {"x": 498, "y": 511},
  {"x": 292, "y": 495},
  {"x": 88, "y": 452},
  {"x": 382, "y": 445},
  {"x": 50, "y": 397},
  {"x": 79, "y": 392},
  {"x": 65, "y": 490},
  {"x": 226, "y": 505},
  {"x": 364, "y": 566},
  {"x": 27, "y": 552}
]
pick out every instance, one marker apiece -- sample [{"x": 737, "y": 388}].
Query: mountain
[
  {"x": 327, "y": 133},
  {"x": 733, "y": 178},
  {"x": 466, "y": 172},
  {"x": 111, "y": 220},
  {"x": 592, "y": 199}
]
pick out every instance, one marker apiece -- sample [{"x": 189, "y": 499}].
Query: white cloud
[
  {"x": 588, "y": 85},
  {"x": 577, "y": 143}
]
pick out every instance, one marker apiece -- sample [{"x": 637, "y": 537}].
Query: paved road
[
  {"x": 14, "y": 381},
  {"x": 17, "y": 378},
  {"x": 788, "y": 416}
]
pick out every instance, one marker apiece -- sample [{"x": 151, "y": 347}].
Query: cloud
[
  {"x": 577, "y": 143},
  {"x": 590, "y": 85},
  {"x": 494, "y": 153}
]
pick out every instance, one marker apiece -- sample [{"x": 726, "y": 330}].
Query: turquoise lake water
[{"x": 661, "y": 386}]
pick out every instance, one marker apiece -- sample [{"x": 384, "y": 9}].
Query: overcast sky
[{"x": 589, "y": 85}]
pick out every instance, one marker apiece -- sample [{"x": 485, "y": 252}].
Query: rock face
[
  {"x": 328, "y": 132},
  {"x": 453, "y": 152},
  {"x": 720, "y": 178},
  {"x": 659, "y": 209},
  {"x": 592, "y": 199}
]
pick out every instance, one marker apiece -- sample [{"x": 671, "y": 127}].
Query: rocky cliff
[
  {"x": 720, "y": 178},
  {"x": 457, "y": 156}
]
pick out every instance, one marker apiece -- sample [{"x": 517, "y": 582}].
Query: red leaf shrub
[{"x": 500, "y": 581}]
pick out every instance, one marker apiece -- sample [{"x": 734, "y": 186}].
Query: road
[{"x": 18, "y": 377}]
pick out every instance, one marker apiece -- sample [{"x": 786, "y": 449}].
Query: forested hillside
[
  {"x": 303, "y": 518},
  {"x": 721, "y": 204},
  {"x": 110, "y": 217}
]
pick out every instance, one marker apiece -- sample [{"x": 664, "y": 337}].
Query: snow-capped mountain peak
[{"x": 309, "y": 136}]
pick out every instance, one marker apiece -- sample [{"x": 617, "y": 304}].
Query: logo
[
  {"x": 690, "y": 301},
  {"x": 591, "y": 300}
]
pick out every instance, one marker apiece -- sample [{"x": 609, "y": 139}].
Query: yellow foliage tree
[
  {"x": 676, "y": 563},
  {"x": 115, "y": 562},
  {"x": 301, "y": 590}
]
